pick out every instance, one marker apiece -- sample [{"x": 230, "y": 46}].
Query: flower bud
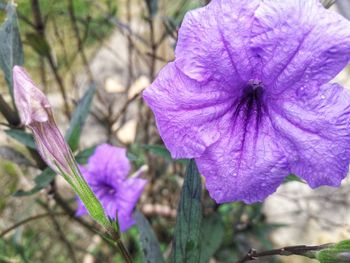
[{"x": 36, "y": 113}]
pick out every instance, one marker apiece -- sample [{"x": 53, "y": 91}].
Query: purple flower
[
  {"x": 106, "y": 174},
  {"x": 248, "y": 96}
]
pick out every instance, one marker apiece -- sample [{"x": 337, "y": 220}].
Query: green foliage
[
  {"x": 149, "y": 243},
  {"x": 186, "y": 242},
  {"x": 79, "y": 117},
  {"x": 41, "y": 182},
  {"x": 338, "y": 253},
  {"x": 22, "y": 137},
  {"x": 11, "y": 52},
  {"x": 46, "y": 177},
  {"x": 212, "y": 234},
  {"x": 9, "y": 177},
  {"x": 38, "y": 43},
  {"x": 163, "y": 152},
  {"x": 293, "y": 178}
]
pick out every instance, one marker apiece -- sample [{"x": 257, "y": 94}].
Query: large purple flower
[
  {"x": 248, "y": 96},
  {"x": 106, "y": 174}
]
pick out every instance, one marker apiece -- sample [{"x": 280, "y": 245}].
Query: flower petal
[
  {"x": 247, "y": 164},
  {"x": 128, "y": 195},
  {"x": 300, "y": 43},
  {"x": 109, "y": 163},
  {"x": 209, "y": 49},
  {"x": 187, "y": 113},
  {"x": 317, "y": 125}
]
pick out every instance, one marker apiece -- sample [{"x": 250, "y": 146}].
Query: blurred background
[{"x": 117, "y": 47}]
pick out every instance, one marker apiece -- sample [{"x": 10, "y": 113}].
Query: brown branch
[
  {"x": 27, "y": 220},
  {"x": 306, "y": 251},
  {"x": 80, "y": 45},
  {"x": 40, "y": 28}
]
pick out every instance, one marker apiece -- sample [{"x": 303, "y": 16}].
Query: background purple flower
[
  {"x": 106, "y": 173},
  {"x": 247, "y": 96}
]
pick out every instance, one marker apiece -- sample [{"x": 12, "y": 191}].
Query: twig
[
  {"x": 286, "y": 251},
  {"x": 29, "y": 219},
  {"x": 62, "y": 236},
  {"x": 81, "y": 50},
  {"x": 40, "y": 28},
  {"x": 125, "y": 107}
]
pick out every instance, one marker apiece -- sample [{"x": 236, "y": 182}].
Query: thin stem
[
  {"x": 73, "y": 19},
  {"x": 40, "y": 28},
  {"x": 119, "y": 244},
  {"x": 29, "y": 219},
  {"x": 306, "y": 251}
]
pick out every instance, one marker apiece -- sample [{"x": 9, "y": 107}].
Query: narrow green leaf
[
  {"x": 212, "y": 234},
  {"x": 38, "y": 43},
  {"x": 149, "y": 243},
  {"x": 11, "y": 52},
  {"x": 337, "y": 253},
  {"x": 22, "y": 137},
  {"x": 293, "y": 178},
  {"x": 41, "y": 182},
  {"x": 78, "y": 119},
  {"x": 45, "y": 178},
  {"x": 161, "y": 151},
  {"x": 186, "y": 242},
  {"x": 84, "y": 155},
  {"x": 153, "y": 5}
]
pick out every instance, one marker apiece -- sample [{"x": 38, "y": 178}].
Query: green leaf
[
  {"x": 149, "y": 243},
  {"x": 38, "y": 43},
  {"x": 78, "y": 119},
  {"x": 22, "y": 137},
  {"x": 41, "y": 182},
  {"x": 293, "y": 178},
  {"x": 338, "y": 253},
  {"x": 212, "y": 234},
  {"x": 9, "y": 178},
  {"x": 161, "y": 151},
  {"x": 186, "y": 242},
  {"x": 11, "y": 52},
  {"x": 153, "y": 7},
  {"x": 84, "y": 155}
]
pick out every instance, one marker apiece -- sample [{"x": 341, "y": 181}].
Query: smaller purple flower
[{"x": 106, "y": 173}]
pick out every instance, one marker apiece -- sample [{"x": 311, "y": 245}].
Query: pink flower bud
[{"x": 35, "y": 112}]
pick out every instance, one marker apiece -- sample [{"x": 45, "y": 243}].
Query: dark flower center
[
  {"x": 251, "y": 103},
  {"x": 107, "y": 189}
]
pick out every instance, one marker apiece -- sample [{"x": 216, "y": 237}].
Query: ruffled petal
[
  {"x": 187, "y": 113},
  {"x": 248, "y": 163},
  {"x": 208, "y": 48},
  {"x": 316, "y": 122},
  {"x": 300, "y": 43},
  {"x": 109, "y": 163}
]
